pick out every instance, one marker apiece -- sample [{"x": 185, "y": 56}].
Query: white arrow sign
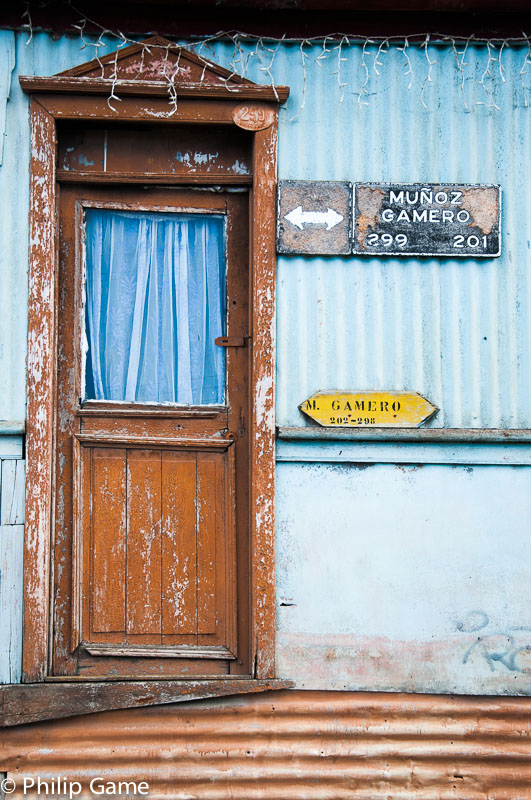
[{"x": 299, "y": 218}]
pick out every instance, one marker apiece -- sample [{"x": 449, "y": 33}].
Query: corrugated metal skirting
[{"x": 290, "y": 746}]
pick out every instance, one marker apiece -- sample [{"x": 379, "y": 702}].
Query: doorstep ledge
[{"x": 37, "y": 702}]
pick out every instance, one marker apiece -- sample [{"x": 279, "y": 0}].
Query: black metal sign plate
[
  {"x": 314, "y": 217},
  {"x": 427, "y": 219}
]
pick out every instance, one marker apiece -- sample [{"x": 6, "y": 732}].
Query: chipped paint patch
[
  {"x": 369, "y": 202},
  {"x": 483, "y": 205}
]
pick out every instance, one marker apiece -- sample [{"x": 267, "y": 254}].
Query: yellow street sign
[{"x": 369, "y": 409}]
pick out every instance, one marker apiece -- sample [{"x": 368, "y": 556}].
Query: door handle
[{"x": 232, "y": 341}]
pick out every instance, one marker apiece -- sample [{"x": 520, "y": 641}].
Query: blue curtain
[{"x": 155, "y": 302}]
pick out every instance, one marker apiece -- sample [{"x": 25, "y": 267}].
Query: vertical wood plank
[
  {"x": 40, "y": 382},
  {"x": 179, "y": 556},
  {"x": 208, "y": 530},
  {"x": 143, "y": 542},
  {"x": 262, "y": 482},
  {"x": 11, "y": 575},
  {"x": 82, "y": 546},
  {"x": 12, "y": 500},
  {"x": 108, "y": 539},
  {"x": 229, "y": 591}
]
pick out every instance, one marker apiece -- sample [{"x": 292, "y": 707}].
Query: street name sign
[
  {"x": 427, "y": 219},
  {"x": 314, "y": 217},
  {"x": 377, "y": 409}
]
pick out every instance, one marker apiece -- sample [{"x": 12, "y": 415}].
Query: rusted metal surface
[
  {"x": 256, "y": 117},
  {"x": 314, "y": 217},
  {"x": 291, "y": 746}
]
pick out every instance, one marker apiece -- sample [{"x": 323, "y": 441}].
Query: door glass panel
[{"x": 155, "y": 303}]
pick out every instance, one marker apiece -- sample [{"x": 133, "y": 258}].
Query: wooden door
[{"x": 151, "y": 515}]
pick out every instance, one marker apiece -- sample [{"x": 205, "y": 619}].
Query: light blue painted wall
[{"x": 412, "y": 577}]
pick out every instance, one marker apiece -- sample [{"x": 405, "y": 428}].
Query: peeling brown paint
[
  {"x": 40, "y": 368},
  {"x": 263, "y": 404},
  {"x": 258, "y": 591}
]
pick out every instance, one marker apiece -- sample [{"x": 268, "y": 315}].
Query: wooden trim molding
[
  {"x": 40, "y": 387},
  {"x": 103, "y": 86},
  {"x": 100, "y": 177},
  {"x": 112, "y": 440},
  {"x": 263, "y": 294},
  {"x": 60, "y": 97},
  {"x": 20, "y": 704},
  {"x": 151, "y": 651}
]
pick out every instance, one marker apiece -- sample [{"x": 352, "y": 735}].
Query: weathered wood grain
[
  {"x": 263, "y": 400},
  {"x": 250, "y": 497},
  {"x": 108, "y": 541},
  {"x": 10, "y": 445},
  {"x": 40, "y": 393},
  {"x": 143, "y": 544},
  {"x": 179, "y": 547},
  {"x": 98, "y": 86},
  {"x": 11, "y": 555},
  {"x": 32, "y": 703},
  {"x": 208, "y": 530}
]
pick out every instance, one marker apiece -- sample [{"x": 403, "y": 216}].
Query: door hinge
[{"x": 232, "y": 341}]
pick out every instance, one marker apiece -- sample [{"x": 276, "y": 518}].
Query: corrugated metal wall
[
  {"x": 288, "y": 746},
  {"x": 458, "y": 331}
]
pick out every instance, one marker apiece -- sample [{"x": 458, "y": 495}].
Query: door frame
[
  {"x": 73, "y": 98},
  {"x": 84, "y": 426}
]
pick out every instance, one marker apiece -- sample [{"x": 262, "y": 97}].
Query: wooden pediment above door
[
  {"x": 153, "y": 60},
  {"x": 155, "y": 66}
]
